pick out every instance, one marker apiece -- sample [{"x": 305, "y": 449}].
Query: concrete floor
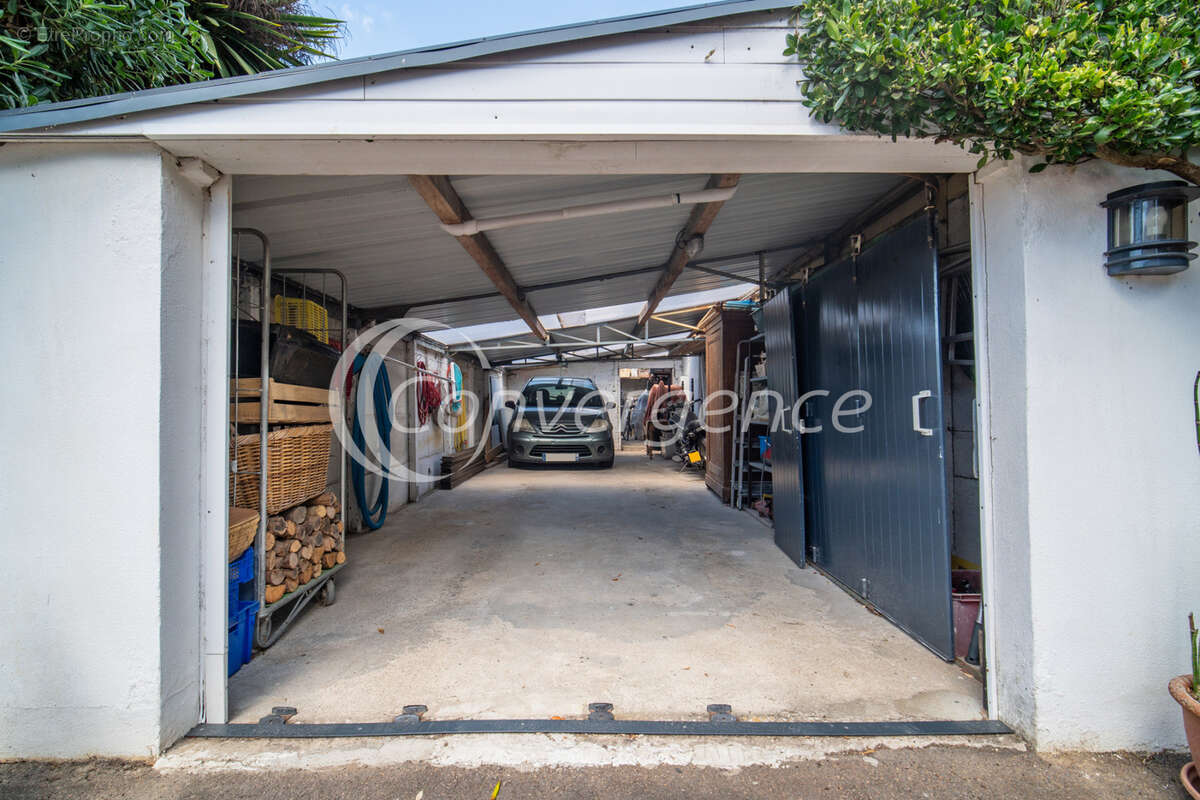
[{"x": 529, "y": 593}]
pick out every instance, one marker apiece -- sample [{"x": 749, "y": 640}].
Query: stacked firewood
[{"x": 301, "y": 543}]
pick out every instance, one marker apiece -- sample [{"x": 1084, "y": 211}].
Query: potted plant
[{"x": 1183, "y": 688}]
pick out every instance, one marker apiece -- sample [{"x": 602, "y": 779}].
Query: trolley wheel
[
  {"x": 328, "y": 594},
  {"x": 262, "y": 633}
]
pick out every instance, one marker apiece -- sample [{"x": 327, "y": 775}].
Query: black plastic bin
[{"x": 297, "y": 357}]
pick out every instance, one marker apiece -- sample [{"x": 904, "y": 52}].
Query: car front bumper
[{"x": 534, "y": 448}]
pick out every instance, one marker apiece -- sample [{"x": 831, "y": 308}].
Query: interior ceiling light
[{"x": 474, "y": 226}]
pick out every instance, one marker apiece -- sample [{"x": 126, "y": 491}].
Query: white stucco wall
[
  {"x": 181, "y": 409},
  {"x": 1095, "y": 474},
  {"x": 80, "y": 621}
]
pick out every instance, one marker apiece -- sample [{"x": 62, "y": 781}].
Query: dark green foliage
[
  {"x": 247, "y": 36},
  {"x": 62, "y": 49},
  {"x": 1066, "y": 81},
  {"x": 65, "y": 49}
]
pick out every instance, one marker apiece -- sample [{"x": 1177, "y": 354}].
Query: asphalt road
[{"x": 934, "y": 772}]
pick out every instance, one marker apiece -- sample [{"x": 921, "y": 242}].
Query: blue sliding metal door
[
  {"x": 831, "y": 460},
  {"x": 877, "y": 497},
  {"x": 787, "y": 494}
]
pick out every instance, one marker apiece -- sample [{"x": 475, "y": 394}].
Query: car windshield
[{"x": 562, "y": 395}]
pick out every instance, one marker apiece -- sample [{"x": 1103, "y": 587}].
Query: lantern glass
[
  {"x": 1120, "y": 226},
  {"x": 1162, "y": 218}
]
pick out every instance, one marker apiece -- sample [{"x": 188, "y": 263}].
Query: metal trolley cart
[{"x": 274, "y": 618}]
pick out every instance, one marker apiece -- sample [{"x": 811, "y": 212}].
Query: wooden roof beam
[
  {"x": 701, "y": 219},
  {"x": 441, "y": 198}
]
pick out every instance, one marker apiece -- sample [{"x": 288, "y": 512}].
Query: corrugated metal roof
[
  {"x": 579, "y": 247},
  {"x": 605, "y": 331},
  {"x": 376, "y": 230},
  {"x": 71, "y": 111},
  {"x": 380, "y": 233}
]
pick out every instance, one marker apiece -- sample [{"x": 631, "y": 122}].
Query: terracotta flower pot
[
  {"x": 1190, "y": 780},
  {"x": 1181, "y": 690}
]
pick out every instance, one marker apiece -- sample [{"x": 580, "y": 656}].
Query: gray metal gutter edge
[{"x": 68, "y": 112}]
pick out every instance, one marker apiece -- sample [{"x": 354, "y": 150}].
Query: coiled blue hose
[{"x": 374, "y": 515}]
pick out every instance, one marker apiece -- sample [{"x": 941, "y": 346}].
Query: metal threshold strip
[{"x": 339, "y": 730}]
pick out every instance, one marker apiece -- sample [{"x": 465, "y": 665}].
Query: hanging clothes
[{"x": 429, "y": 394}]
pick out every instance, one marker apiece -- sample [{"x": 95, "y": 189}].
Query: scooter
[{"x": 689, "y": 436}]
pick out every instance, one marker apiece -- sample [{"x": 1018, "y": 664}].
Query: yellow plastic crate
[{"x": 303, "y": 314}]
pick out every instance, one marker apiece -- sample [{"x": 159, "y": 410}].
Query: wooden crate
[{"x": 289, "y": 404}]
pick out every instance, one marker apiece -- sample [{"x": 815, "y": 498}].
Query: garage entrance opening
[
  {"x": 486, "y": 586},
  {"x": 531, "y": 593}
]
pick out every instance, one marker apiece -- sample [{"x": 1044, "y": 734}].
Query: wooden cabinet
[{"x": 723, "y": 329}]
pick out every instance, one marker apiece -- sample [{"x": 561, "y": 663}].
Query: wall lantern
[{"x": 1148, "y": 230}]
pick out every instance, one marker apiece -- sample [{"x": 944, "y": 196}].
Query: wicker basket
[
  {"x": 243, "y": 524},
  {"x": 297, "y": 467}
]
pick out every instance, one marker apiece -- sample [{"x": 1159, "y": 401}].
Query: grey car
[{"x": 560, "y": 420}]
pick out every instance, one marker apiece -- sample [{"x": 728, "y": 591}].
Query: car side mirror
[
  {"x": 610, "y": 405},
  {"x": 511, "y": 404}
]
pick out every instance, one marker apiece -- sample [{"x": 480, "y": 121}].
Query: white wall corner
[{"x": 181, "y": 423}]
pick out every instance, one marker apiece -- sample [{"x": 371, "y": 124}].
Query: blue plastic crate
[
  {"x": 241, "y": 637},
  {"x": 241, "y": 583}
]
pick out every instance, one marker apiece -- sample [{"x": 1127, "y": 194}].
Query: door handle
[{"x": 916, "y": 409}]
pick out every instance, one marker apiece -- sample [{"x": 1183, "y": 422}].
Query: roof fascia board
[{"x": 93, "y": 108}]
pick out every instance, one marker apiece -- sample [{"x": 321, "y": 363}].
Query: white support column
[
  {"x": 983, "y": 438},
  {"x": 214, "y": 457}
]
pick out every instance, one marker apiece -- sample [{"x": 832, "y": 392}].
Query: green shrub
[{"x": 1065, "y": 81}]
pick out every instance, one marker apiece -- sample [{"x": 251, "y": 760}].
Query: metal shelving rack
[
  {"x": 266, "y": 631},
  {"x": 745, "y": 468}
]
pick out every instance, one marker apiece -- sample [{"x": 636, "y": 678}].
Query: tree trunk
[{"x": 1164, "y": 161}]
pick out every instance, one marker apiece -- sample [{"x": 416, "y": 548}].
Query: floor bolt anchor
[
  {"x": 720, "y": 712},
  {"x": 412, "y": 715},
  {"x": 600, "y": 712},
  {"x": 279, "y": 715}
]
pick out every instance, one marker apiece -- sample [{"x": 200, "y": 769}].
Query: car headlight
[
  {"x": 522, "y": 426},
  {"x": 599, "y": 426}
]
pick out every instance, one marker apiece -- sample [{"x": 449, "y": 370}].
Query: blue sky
[{"x": 382, "y": 27}]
